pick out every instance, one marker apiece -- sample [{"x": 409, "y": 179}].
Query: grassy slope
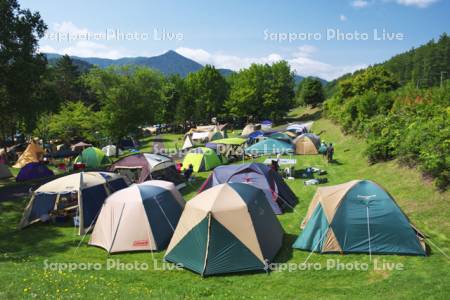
[{"x": 23, "y": 252}]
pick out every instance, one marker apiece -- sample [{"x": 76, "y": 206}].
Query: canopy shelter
[
  {"x": 85, "y": 192},
  {"x": 202, "y": 159},
  {"x": 32, "y": 171},
  {"x": 80, "y": 146},
  {"x": 307, "y": 143},
  {"x": 93, "y": 157},
  {"x": 228, "y": 228},
  {"x": 278, "y": 194},
  {"x": 149, "y": 213},
  {"x": 269, "y": 146},
  {"x": 146, "y": 166},
  {"x": 110, "y": 150},
  {"x": 358, "y": 217},
  {"x": 229, "y": 147},
  {"x": 61, "y": 154},
  {"x": 33, "y": 153}
]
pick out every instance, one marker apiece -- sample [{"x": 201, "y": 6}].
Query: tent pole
[{"x": 368, "y": 232}]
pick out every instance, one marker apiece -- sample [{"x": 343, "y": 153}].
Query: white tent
[
  {"x": 200, "y": 136},
  {"x": 188, "y": 143},
  {"x": 110, "y": 150}
]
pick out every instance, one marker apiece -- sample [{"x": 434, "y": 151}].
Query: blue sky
[{"x": 328, "y": 38}]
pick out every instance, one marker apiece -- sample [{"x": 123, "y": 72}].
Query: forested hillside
[{"x": 402, "y": 108}]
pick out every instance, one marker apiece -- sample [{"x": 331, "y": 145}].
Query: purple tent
[
  {"x": 278, "y": 193},
  {"x": 33, "y": 170}
]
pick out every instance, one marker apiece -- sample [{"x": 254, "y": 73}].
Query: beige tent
[
  {"x": 227, "y": 228},
  {"x": 33, "y": 153},
  {"x": 138, "y": 218},
  {"x": 84, "y": 192},
  {"x": 4, "y": 171},
  {"x": 307, "y": 143}
]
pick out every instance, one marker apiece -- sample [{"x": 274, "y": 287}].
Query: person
[
  {"x": 330, "y": 153},
  {"x": 179, "y": 167},
  {"x": 188, "y": 172},
  {"x": 274, "y": 166},
  {"x": 323, "y": 149}
]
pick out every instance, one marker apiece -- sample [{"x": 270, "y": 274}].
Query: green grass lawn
[{"x": 24, "y": 253}]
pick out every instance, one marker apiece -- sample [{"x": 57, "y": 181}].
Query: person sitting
[{"x": 188, "y": 172}]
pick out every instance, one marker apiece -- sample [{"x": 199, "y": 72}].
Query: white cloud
[
  {"x": 91, "y": 49},
  {"x": 68, "y": 27},
  {"x": 417, "y": 3},
  {"x": 343, "y": 18},
  {"x": 360, "y": 3},
  {"x": 220, "y": 60},
  {"x": 301, "y": 61}
]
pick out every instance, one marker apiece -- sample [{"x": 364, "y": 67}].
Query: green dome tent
[
  {"x": 358, "y": 217},
  {"x": 202, "y": 159},
  {"x": 93, "y": 158},
  {"x": 225, "y": 229}
]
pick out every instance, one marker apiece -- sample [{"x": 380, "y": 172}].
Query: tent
[
  {"x": 33, "y": 153},
  {"x": 145, "y": 166},
  {"x": 228, "y": 147},
  {"x": 187, "y": 143},
  {"x": 80, "y": 146},
  {"x": 215, "y": 135},
  {"x": 276, "y": 191},
  {"x": 250, "y": 128},
  {"x": 290, "y": 134},
  {"x": 269, "y": 146},
  {"x": 33, "y": 170},
  {"x": 149, "y": 213},
  {"x": 266, "y": 124},
  {"x": 4, "y": 171},
  {"x": 297, "y": 128},
  {"x": 358, "y": 217},
  {"x": 280, "y": 136},
  {"x": 307, "y": 143},
  {"x": 85, "y": 191},
  {"x": 202, "y": 159},
  {"x": 200, "y": 136},
  {"x": 228, "y": 228},
  {"x": 93, "y": 158},
  {"x": 110, "y": 150}
]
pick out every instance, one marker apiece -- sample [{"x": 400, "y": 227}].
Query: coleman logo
[{"x": 140, "y": 243}]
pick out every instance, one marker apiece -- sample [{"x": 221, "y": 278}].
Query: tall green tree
[
  {"x": 208, "y": 89},
  {"x": 310, "y": 92},
  {"x": 21, "y": 66}
]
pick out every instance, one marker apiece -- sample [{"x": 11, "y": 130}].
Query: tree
[
  {"x": 310, "y": 92},
  {"x": 129, "y": 97},
  {"x": 66, "y": 77},
  {"x": 208, "y": 90},
  {"x": 75, "y": 119},
  {"x": 21, "y": 67},
  {"x": 262, "y": 91}
]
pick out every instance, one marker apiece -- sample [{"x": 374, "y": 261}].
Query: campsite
[{"x": 160, "y": 177}]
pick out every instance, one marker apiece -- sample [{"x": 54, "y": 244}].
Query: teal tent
[
  {"x": 358, "y": 217},
  {"x": 269, "y": 146}
]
